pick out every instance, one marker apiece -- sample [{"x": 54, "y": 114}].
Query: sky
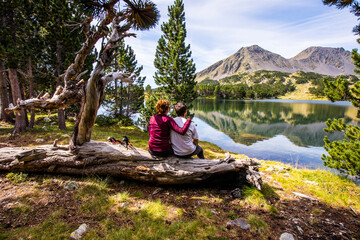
[{"x": 217, "y": 29}]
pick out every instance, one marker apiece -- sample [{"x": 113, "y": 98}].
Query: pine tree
[
  {"x": 344, "y": 155},
  {"x": 127, "y": 98},
  {"x": 175, "y": 68}
]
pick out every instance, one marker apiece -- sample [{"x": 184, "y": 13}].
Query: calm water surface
[{"x": 290, "y": 131}]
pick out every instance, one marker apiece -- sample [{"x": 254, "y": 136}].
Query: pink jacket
[{"x": 159, "y": 132}]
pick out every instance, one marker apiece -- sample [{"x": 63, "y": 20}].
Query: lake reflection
[{"x": 290, "y": 131}]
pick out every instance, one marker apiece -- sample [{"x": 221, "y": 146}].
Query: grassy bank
[{"x": 35, "y": 206}]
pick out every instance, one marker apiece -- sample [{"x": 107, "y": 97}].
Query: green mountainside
[{"x": 268, "y": 84}]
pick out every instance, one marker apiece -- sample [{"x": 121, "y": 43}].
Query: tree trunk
[
  {"x": 59, "y": 71},
  {"x": 121, "y": 98},
  {"x": 31, "y": 90},
  {"x": 128, "y": 101},
  {"x": 107, "y": 159},
  {"x": 93, "y": 94},
  {"x": 89, "y": 107},
  {"x": 116, "y": 113},
  {"x": 3, "y": 94},
  {"x": 20, "y": 121}
]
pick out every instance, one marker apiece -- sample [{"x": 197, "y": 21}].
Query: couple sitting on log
[{"x": 180, "y": 131}]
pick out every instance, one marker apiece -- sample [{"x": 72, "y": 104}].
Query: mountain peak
[
  {"x": 320, "y": 51},
  {"x": 323, "y": 60},
  {"x": 251, "y": 48}
]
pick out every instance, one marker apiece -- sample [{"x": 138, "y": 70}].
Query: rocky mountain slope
[{"x": 323, "y": 60}]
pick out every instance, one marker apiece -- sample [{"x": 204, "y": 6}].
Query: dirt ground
[{"x": 305, "y": 219}]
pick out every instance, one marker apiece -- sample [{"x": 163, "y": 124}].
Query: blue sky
[{"x": 218, "y": 28}]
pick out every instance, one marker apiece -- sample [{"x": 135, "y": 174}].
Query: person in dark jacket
[{"x": 159, "y": 130}]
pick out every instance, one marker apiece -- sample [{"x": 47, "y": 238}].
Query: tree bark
[
  {"x": 121, "y": 98},
  {"x": 128, "y": 100},
  {"x": 31, "y": 92},
  {"x": 116, "y": 113},
  {"x": 59, "y": 71},
  {"x": 20, "y": 121},
  {"x": 93, "y": 94},
  {"x": 108, "y": 159},
  {"x": 3, "y": 94}
]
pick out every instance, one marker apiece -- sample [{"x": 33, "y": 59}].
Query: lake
[{"x": 289, "y": 131}]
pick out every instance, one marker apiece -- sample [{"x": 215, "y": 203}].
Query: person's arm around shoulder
[{"x": 178, "y": 129}]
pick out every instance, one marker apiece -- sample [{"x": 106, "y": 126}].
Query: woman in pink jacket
[{"x": 159, "y": 130}]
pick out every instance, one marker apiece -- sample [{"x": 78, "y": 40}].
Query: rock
[
  {"x": 71, "y": 186},
  {"x": 236, "y": 193},
  {"x": 124, "y": 204},
  {"x": 286, "y": 236},
  {"x": 158, "y": 190},
  {"x": 39, "y": 140},
  {"x": 304, "y": 196},
  {"x": 239, "y": 222},
  {"x": 311, "y": 182},
  {"x": 46, "y": 119},
  {"x": 270, "y": 169},
  {"x": 78, "y": 233},
  {"x": 281, "y": 169}
]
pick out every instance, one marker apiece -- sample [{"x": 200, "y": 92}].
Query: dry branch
[
  {"x": 72, "y": 92},
  {"x": 107, "y": 159}
]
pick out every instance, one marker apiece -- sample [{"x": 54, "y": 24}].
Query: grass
[
  {"x": 52, "y": 228},
  {"x": 154, "y": 210},
  {"x": 150, "y": 223},
  {"x": 138, "y": 194},
  {"x": 95, "y": 199},
  {"x": 328, "y": 187},
  {"x": 232, "y": 215},
  {"x": 16, "y": 177},
  {"x": 259, "y": 199},
  {"x": 22, "y": 208},
  {"x": 258, "y": 225},
  {"x": 302, "y": 92},
  {"x": 120, "y": 197},
  {"x": 272, "y": 209}
]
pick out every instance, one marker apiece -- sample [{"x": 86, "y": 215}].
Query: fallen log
[{"x": 108, "y": 159}]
